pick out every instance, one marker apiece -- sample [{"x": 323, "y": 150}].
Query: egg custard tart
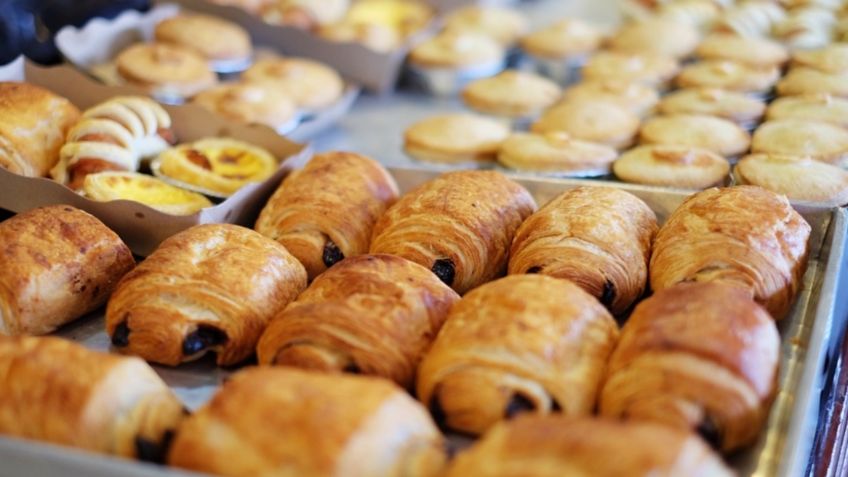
[{"x": 148, "y": 190}]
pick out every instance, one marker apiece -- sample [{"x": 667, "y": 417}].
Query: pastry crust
[
  {"x": 708, "y": 132},
  {"x": 503, "y": 24},
  {"x": 372, "y": 314},
  {"x": 457, "y": 49},
  {"x": 799, "y": 178},
  {"x": 696, "y": 356},
  {"x": 810, "y": 107},
  {"x": 802, "y": 80},
  {"x": 636, "y": 97},
  {"x": 563, "y": 39},
  {"x": 59, "y": 263},
  {"x": 251, "y": 102},
  {"x": 59, "y": 392},
  {"x": 209, "y": 288},
  {"x": 165, "y": 69},
  {"x": 33, "y": 125},
  {"x": 283, "y": 421},
  {"x": 512, "y": 93},
  {"x": 460, "y": 225},
  {"x": 656, "y": 35},
  {"x": 759, "y": 52},
  {"x": 738, "y": 107},
  {"x": 830, "y": 59},
  {"x": 145, "y": 189},
  {"x": 555, "y": 152},
  {"x": 455, "y": 138},
  {"x": 683, "y": 167},
  {"x": 645, "y": 68},
  {"x": 728, "y": 75},
  {"x": 214, "y": 38},
  {"x": 598, "y": 237},
  {"x": 311, "y": 84},
  {"x": 524, "y": 343},
  {"x": 327, "y": 211},
  {"x": 554, "y": 446},
  {"x": 305, "y": 14},
  {"x": 744, "y": 235},
  {"x": 822, "y": 141},
  {"x": 603, "y": 122}
]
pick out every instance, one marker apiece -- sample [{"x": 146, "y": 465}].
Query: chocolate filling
[
  {"x": 439, "y": 415},
  {"x": 121, "y": 335},
  {"x": 608, "y": 295},
  {"x": 352, "y": 368},
  {"x": 710, "y": 432},
  {"x": 517, "y": 405},
  {"x": 533, "y": 270},
  {"x": 203, "y": 338},
  {"x": 445, "y": 270},
  {"x": 155, "y": 452},
  {"x": 555, "y": 407},
  {"x": 332, "y": 255}
]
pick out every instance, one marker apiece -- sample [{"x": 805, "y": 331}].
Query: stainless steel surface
[{"x": 784, "y": 444}]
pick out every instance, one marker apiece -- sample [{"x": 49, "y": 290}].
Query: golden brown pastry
[
  {"x": 455, "y": 138},
  {"x": 604, "y": 122},
  {"x": 214, "y": 38},
  {"x": 165, "y": 69},
  {"x": 114, "y": 135},
  {"x": 512, "y": 93},
  {"x": 145, "y": 189},
  {"x": 457, "y": 50},
  {"x": 459, "y": 225},
  {"x": 831, "y": 59},
  {"x": 209, "y": 288},
  {"x": 598, "y": 237},
  {"x": 283, "y": 421},
  {"x": 644, "y": 68},
  {"x": 502, "y": 24},
  {"x": 524, "y": 343},
  {"x": 251, "y": 102},
  {"x": 729, "y": 75},
  {"x": 759, "y": 52},
  {"x": 683, "y": 167},
  {"x": 326, "y": 211},
  {"x": 804, "y": 80},
  {"x": 656, "y": 35},
  {"x": 57, "y": 391},
  {"x": 638, "y": 98},
  {"x": 557, "y": 446},
  {"x": 58, "y": 264},
  {"x": 740, "y": 108},
  {"x": 744, "y": 235},
  {"x": 811, "y": 107},
  {"x": 696, "y": 130},
  {"x": 799, "y": 178},
  {"x": 305, "y": 14},
  {"x": 33, "y": 125},
  {"x": 371, "y": 314},
  {"x": 563, "y": 39},
  {"x": 699, "y": 356},
  {"x": 555, "y": 153},
  {"x": 820, "y": 140},
  {"x": 312, "y": 85}
]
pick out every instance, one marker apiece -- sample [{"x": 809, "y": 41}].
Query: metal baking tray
[{"x": 782, "y": 450}]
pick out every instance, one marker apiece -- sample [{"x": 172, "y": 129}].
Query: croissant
[
  {"x": 60, "y": 392},
  {"x": 699, "y": 356},
  {"x": 113, "y": 136},
  {"x": 209, "y": 288},
  {"x": 58, "y": 264},
  {"x": 283, "y": 421},
  {"x": 744, "y": 235},
  {"x": 556, "y": 446},
  {"x": 524, "y": 343},
  {"x": 598, "y": 237},
  {"x": 326, "y": 211},
  {"x": 371, "y": 314},
  {"x": 459, "y": 225}
]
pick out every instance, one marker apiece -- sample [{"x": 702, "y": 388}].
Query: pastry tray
[{"x": 782, "y": 450}]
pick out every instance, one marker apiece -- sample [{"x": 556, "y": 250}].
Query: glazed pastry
[
  {"x": 715, "y": 134},
  {"x": 566, "y": 38},
  {"x": 459, "y": 225},
  {"x": 219, "y": 166},
  {"x": 658, "y": 36},
  {"x": 524, "y": 343},
  {"x": 831, "y": 59},
  {"x": 802, "y": 138},
  {"x": 113, "y": 136},
  {"x": 696, "y": 356},
  {"x": 502, "y": 24},
  {"x": 455, "y": 138},
  {"x": 556, "y": 446},
  {"x": 728, "y": 75},
  {"x": 803, "y": 80},
  {"x": 59, "y": 263},
  {"x": 165, "y": 69},
  {"x": 371, "y": 314},
  {"x": 218, "y": 40},
  {"x": 326, "y": 211},
  {"x": 650, "y": 69},
  {"x": 737, "y": 107},
  {"x": 810, "y": 107},
  {"x": 555, "y": 152},
  {"x": 743, "y": 235},
  {"x": 252, "y": 103},
  {"x": 33, "y": 125},
  {"x": 683, "y": 167},
  {"x": 595, "y": 121},
  {"x": 310, "y": 84},
  {"x": 597, "y": 237},
  {"x": 59, "y": 392},
  {"x": 798, "y": 178},
  {"x": 757, "y": 52},
  {"x": 142, "y": 188},
  {"x": 638, "y": 98},
  {"x": 304, "y": 14},
  {"x": 282, "y": 421},
  {"x": 512, "y": 93},
  {"x": 209, "y": 288},
  {"x": 457, "y": 50}
]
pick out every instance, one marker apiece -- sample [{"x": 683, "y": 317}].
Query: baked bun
[
  {"x": 59, "y": 392},
  {"x": 810, "y": 107},
  {"x": 59, "y": 263},
  {"x": 455, "y": 138},
  {"x": 822, "y": 141},
  {"x": 798, "y": 178},
  {"x": 696, "y": 130},
  {"x": 164, "y": 69},
  {"x": 644, "y": 68},
  {"x": 683, "y": 167},
  {"x": 603, "y": 122},
  {"x": 830, "y": 59},
  {"x": 563, "y": 39},
  {"x": 804, "y": 80},
  {"x": 283, "y": 421},
  {"x": 371, "y": 314},
  {"x": 656, "y": 35},
  {"x": 524, "y": 343},
  {"x": 744, "y": 235},
  {"x": 327, "y": 211},
  {"x": 728, "y": 75},
  {"x": 597, "y": 237},
  {"x": 212, "y": 287},
  {"x": 699, "y": 356},
  {"x": 502, "y": 24},
  {"x": 214, "y": 38},
  {"x": 738, "y": 107},
  {"x": 555, "y": 152},
  {"x": 457, "y": 50},
  {"x": 512, "y": 93},
  {"x": 556, "y": 446},
  {"x": 33, "y": 125},
  {"x": 636, "y": 97},
  {"x": 304, "y": 14},
  {"x": 252, "y": 103},
  {"x": 754, "y": 51},
  {"x": 459, "y": 225},
  {"x": 312, "y": 85}
]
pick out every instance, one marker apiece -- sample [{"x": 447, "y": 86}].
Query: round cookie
[
  {"x": 682, "y": 167},
  {"x": 511, "y": 93},
  {"x": 555, "y": 152},
  {"x": 165, "y": 69},
  {"x": 603, "y": 122},
  {"x": 737, "y": 107},
  {"x": 455, "y": 138},
  {"x": 707, "y": 132},
  {"x": 799, "y": 137},
  {"x": 813, "y": 107},
  {"x": 799, "y": 178}
]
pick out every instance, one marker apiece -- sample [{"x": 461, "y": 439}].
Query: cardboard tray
[{"x": 140, "y": 226}]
